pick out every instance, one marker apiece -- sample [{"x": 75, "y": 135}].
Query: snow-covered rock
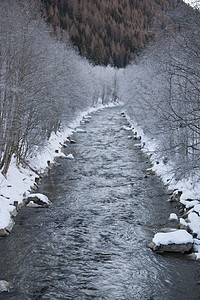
[
  {"x": 126, "y": 128},
  {"x": 4, "y": 286},
  {"x": 33, "y": 204},
  {"x": 173, "y": 217},
  {"x": 70, "y": 156},
  {"x": 183, "y": 224},
  {"x": 72, "y": 141},
  {"x": 175, "y": 241},
  {"x": 38, "y": 199}
]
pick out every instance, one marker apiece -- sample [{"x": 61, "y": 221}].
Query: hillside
[{"x": 109, "y": 32}]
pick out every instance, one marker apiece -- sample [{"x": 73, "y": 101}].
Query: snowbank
[
  {"x": 70, "y": 156},
  {"x": 20, "y": 180},
  {"x": 4, "y": 218}
]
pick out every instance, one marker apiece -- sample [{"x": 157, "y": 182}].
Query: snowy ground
[
  {"x": 190, "y": 188},
  {"x": 20, "y": 181}
]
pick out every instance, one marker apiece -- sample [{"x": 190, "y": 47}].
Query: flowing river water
[{"x": 91, "y": 243}]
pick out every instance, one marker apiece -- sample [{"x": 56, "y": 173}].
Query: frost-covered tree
[
  {"x": 43, "y": 82},
  {"x": 161, "y": 91}
]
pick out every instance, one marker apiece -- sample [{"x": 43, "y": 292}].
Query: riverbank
[
  {"x": 92, "y": 241},
  {"x": 183, "y": 193},
  {"x": 22, "y": 180}
]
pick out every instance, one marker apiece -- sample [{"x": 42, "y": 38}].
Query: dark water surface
[{"x": 92, "y": 242}]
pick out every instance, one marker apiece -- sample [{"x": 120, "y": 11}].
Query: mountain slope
[{"x": 109, "y": 32}]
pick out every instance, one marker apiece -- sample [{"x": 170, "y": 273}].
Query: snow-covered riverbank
[
  {"x": 21, "y": 181},
  {"x": 185, "y": 192}
]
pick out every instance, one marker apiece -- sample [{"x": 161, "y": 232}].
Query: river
[{"x": 91, "y": 243}]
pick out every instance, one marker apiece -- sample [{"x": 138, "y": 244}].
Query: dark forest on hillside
[{"x": 109, "y": 32}]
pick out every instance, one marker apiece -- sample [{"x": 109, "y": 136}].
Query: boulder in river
[
  {"x": 38, "y": 200},
  {"x": 175, "y": 241}
]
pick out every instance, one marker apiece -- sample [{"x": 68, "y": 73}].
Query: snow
[
  {"x": 173, "y": 216},
  {"x": 70, "y": 156},
  {"x": 41, "y": 197},
  {"x": 193, "y": 3},
  {"x": 126, "y": 128},
  {"x": 17, "y": 184},
  {"x": 183, "y": 222},
  {"x": 196, "y": 209},
  {"x": 194, "y": 223},
  {"x": 33, "y": 204},
  {"x": 189, "y": 204},
  {"x": 5, "y": 218},
  {"x": 196, "y": 247},
  {"x": 180, "y": 236}
]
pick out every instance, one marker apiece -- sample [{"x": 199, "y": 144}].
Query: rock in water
[
  {"x": 176, "y": 241},
  {"x": 4, "y": 286},
  {"x": 70, "y": 156},
  {"x": 39, "y": 199},
  {"x": 178, "y": 248}
]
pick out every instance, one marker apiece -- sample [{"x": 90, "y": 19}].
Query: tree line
[
  {"x": 43, "y": 82},
  {"x": 110, "y": 32}
]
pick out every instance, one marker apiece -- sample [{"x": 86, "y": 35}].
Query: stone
[
  {"x": 173, "y": 217},
  {"x": 72, "y": 142},
  {"x": 64, "y": 146},
  {"x": 177, "y": 240},
  {"x": 167, "y": 229},
  {"x": 32, "y": 204},
  {"x": 183, "y": 224},
  {"x": 4, "y": 286},
  {"x": 192, "y": 256},
  {"x": 38, "y": 199},
  {"x": 56, "y": 164},
  {"x": 177, "y": 248},
  {"x": 5, "y": 231}
]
